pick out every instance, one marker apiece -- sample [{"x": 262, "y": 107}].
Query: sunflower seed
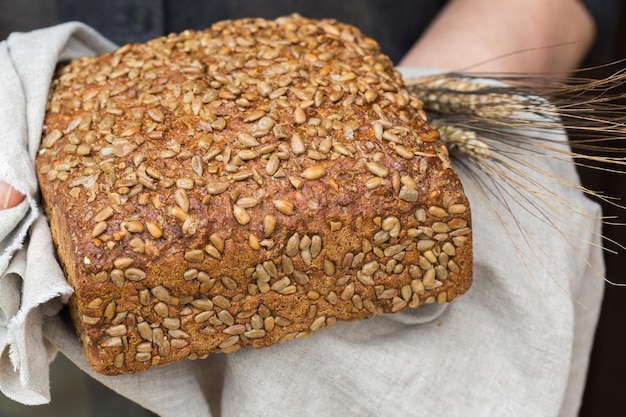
[
  {"x": 313, "y": 172},
  {"x": 281, "y": 284},
  {"x": 134, "y": 274},
  {"x": 100, "y": 228},
  {"x": 299, "y": 116},
  {"x": 247, "y": 140},
  {"x": 408, "y": 194},
  {"x": 241, "y": 215},
  {"x": 377, "y": 169},
  {"x": 273, "y": 164},
  {"x": 364, "y": 278},
  {"x": 202, "y": 304},
  {"x": 229, "y": 341},
  {"x": 103, "y": 214},
  {"x": 457, "y": 209},
  {"x": 217, "y": 187},
  {"x": 118, "y": 330},
  {"x": 284, "y": 206},
  {"x": 437, "y": 211},
  {"x": 318, "y": 323},
  {"x": 194, "y": 256},
  {"x": 255, "y": 333},
  {"x": 226, "y": 317},
  {"x": 161, "y": 293},
  {"x": 221, "y": 301},
  {"x": 287, "y": 265}
]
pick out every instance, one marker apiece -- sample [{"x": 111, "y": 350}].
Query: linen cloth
[{"x": 517, "y": 344}]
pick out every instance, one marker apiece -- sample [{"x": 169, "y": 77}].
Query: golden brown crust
[{"x": 244, "y": 185}]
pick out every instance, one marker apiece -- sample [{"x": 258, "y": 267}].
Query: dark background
[
  {"x": 76, "y": 395},
  {"x": 606, "y": 382}
]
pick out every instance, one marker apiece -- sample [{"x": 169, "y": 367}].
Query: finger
[{"x": 9, "y": 197}]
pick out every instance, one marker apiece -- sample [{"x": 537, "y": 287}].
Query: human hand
[{"x": 9, "y": 197}]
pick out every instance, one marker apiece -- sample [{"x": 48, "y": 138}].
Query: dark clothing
[{"x": 396, "y": 24}]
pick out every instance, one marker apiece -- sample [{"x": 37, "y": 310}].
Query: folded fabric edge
[
  {"x": 24, "y": 355},
  {"x": 18, "y": 236},
  {"x": 18, "y": 385}
]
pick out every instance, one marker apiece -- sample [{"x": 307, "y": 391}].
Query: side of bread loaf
[{"x": 242, "y": 186}]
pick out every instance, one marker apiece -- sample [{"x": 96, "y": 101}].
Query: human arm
[{"x": 522, "y": 36}]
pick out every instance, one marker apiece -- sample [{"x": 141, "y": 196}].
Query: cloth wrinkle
[{"x": 500, "y": 349}]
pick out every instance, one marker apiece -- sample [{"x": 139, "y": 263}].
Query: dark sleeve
[
  {"x": 396, "y": 27},
  {"x": 25, "y": 15},
  {"x": 605, "y": 14}
]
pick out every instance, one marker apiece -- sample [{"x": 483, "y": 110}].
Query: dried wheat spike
[{"x": 504, "y": 131}]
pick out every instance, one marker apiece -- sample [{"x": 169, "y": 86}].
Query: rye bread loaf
[{"x": 241, "y": 186}]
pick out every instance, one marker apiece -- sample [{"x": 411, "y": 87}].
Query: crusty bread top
[{"x": 172, "y": 170}]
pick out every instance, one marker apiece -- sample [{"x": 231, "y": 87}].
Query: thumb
[{"x": 9, "y": 197}]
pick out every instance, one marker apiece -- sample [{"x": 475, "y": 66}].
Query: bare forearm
[{"x": 537, "y": 36}]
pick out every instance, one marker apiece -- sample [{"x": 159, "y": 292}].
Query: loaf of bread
[{"x": 242, "y": 186}]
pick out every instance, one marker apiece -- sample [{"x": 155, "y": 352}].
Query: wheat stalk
[{"x": 501, "y": 132}]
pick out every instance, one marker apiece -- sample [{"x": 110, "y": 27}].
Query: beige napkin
[
  {"x": 31, "y": 284},
  {"x": 517, "y": 344}
]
